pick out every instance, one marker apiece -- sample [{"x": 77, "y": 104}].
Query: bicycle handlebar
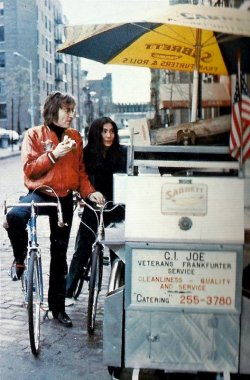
[
  {"x": 99, "y": 207},
  {"x": 39, "y": 204}
]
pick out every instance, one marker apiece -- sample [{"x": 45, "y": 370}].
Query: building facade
[
  {"x": 30, "y": 67},
  {"x": 174, "y": 115},
  {"x": 101, "y": 90},
  {"x": 98, "y": 102}
]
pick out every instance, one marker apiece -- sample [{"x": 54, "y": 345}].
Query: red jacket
[{"x": 67, "y": 174}]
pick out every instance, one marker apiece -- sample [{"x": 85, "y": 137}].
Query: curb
[{"x": 14, "y": 154}]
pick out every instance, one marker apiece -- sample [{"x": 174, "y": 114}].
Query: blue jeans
[{"x": 17, "y": 219}]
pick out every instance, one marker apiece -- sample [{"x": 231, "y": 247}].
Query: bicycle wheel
[
  {"x": 95, "y": 283},
  {"x": 34, "y": 302}
]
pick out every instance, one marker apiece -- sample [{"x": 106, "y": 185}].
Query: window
[
  {"x": 2, "y": 59},
  {"x": 3, "y": 111},
  {"x": 1, "y": 33},
  {"x": 2, "y": 86}
]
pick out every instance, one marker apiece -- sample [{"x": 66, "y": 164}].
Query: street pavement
[
  {"x": 10, "y": 151},
  {"x": 66, "y": 353}
]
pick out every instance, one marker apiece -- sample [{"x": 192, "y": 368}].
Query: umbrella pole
[
  {"x": 195, "y": 95},
  {"x": 196, "y": 76}
]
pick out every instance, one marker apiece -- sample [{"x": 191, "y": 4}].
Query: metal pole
[
  {"x": 12, "y": 122},
  {"x": 31, "y": 86},
  {"x": 196, "y": 76},
  {"x": 31, "y": 96}
]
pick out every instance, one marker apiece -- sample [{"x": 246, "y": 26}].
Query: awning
[{"x": 179, "y": 95}]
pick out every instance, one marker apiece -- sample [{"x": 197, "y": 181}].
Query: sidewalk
[{"x": 11, "y": 151}]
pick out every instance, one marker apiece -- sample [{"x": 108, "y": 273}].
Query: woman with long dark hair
[{"x": 103, "y": 156}]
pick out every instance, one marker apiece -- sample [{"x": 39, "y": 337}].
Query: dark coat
[{"x": 101, "y": 168}]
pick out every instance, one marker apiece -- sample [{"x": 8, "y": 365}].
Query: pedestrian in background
[
  {"x": 103, "y": 156},
  {"x": 52, "y": 155}
]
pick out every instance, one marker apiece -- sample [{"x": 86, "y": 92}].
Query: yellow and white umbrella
[{"x": 181, "y": 37}]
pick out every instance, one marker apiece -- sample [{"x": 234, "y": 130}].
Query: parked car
[
  {"x": 8, "y": 137},
  {"x": 13, "y": 136}
]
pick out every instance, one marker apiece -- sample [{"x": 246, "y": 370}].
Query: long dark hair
[
  {"x": 53, "y": 102},
  {"x": 95, "y": 150},
  {"x": 95, "y": 143}
]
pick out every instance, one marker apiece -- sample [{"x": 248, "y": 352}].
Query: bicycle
[
  {"x": 94, "y": 269},
  {"x": 32, "y": 277}
]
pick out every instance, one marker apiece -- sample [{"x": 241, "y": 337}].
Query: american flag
[
  {"x": 245, "y": 117},
  {"x": 240, "y": 123}
]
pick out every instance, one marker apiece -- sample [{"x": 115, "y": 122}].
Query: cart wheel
[{"x": 116, "y": 279}]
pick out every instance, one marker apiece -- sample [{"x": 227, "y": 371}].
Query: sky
[{"x": 130, "y": 84}]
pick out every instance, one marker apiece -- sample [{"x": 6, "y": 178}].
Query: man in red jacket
[{"x": 53, "y": 165}]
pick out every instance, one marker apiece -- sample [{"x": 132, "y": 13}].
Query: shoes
[
  {"x": 63, "y": 318},
  {"x": 69, "y": 302},
  {"x": 17, "y": 270}
]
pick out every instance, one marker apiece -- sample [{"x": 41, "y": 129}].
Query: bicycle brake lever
[
  {"x": 60, "y": 216},
  {"x": 61, "y": 224},
  {"x": 99, "y": 205}
]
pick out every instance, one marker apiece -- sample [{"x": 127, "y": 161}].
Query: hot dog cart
[{"x": 178, "y": 307}]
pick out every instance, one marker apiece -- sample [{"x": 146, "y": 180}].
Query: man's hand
[
  {"x": 64, "y": 147},
  {"x": 97, "y": 197}
]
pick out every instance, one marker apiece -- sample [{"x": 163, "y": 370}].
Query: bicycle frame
[
  {"x": 102, "y": 208},
  {"x": 95, "y": 265}
]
